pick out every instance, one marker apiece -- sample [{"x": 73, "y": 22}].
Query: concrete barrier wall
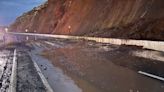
[{"x": 154, "y": 45}]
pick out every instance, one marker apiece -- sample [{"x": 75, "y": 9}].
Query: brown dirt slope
[{"x": 137, "y": 19}]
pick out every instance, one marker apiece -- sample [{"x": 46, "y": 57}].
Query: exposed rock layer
[{"x": 137, "y": 19}]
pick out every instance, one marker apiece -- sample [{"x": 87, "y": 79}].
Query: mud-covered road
[
  {"x": 97, "y": 67},
  {"x": 86, "y": 66}
]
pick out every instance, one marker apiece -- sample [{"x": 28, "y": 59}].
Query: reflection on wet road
[
  {"x": 71, "y": 65},
  {"x": 99, "y": 67}
]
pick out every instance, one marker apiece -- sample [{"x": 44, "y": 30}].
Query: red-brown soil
[{"x": 135, "y": 19}]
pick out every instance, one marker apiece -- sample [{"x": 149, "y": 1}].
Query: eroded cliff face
[{"x": 137, "y": 19}]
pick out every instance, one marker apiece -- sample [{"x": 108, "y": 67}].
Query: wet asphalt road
[
  {"x": 28, "y": 79},
  {"x": 96, "y": 67}
]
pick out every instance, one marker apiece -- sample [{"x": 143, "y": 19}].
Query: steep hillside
[{"x": 137, "y": 19}]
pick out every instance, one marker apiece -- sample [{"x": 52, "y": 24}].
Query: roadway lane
[
  {"x": 96, "y": 67},
  {"x": 21, "y": 76}
]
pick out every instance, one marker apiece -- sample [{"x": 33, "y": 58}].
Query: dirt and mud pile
[{"x": 136, "y": 19}]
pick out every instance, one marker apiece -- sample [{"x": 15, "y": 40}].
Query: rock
[
  {"x": 45, "y": 68},
  {"x": 113, "y": 18}
]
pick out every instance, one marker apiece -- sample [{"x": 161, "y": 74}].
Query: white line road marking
[
  {"x": 44, "y": 80},
  {"x": 13, "y": 79},
  {"x": 151, "y": 75}
]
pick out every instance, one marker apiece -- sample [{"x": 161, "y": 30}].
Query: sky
[{"x": 11, "y": 9}]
